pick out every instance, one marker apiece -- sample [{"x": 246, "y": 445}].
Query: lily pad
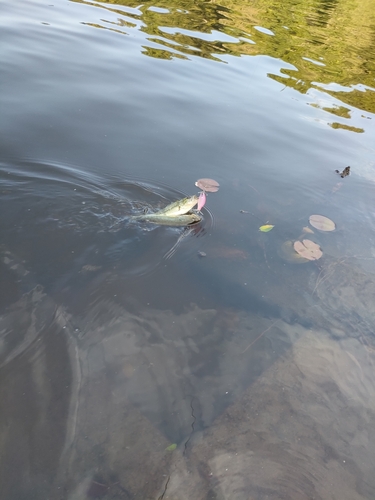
[
  {"x": 308, "y": 249},
  {"x": 287, "y": 253},
  {"x": 322, "y": 223},
  {"x": 208, "y": 185}
]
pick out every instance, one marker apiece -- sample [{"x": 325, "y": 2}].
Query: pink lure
[{"x": 201, "y": 200}]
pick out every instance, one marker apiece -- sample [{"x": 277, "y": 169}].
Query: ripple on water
[{"x": 76, "y": 223}]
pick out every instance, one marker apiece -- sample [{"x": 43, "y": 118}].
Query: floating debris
[{"x": 344, "y": 173}]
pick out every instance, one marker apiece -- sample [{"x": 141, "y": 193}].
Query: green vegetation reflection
[{"x": 324, "y": 41}]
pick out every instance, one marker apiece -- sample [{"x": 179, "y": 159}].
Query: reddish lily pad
[
  {"x": 287, "y": 252},
  {"x": 308, "y": 249},
  {"x": 208, "y": 185},
  {"x": 322, "y": 223}
]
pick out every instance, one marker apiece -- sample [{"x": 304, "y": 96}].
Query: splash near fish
[
  {"x": 182, "y": 212},
  {"x": 178, "y": 213}
]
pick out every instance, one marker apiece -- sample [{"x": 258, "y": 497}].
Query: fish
[
  {"x": 179, "y": 207},
  {"x": 167, "y": 220}
]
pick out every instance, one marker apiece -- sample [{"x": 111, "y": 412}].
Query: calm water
[{"x": 149, "y": 362}]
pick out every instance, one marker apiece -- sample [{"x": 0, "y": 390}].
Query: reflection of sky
[{"x": 214, "y": 36}]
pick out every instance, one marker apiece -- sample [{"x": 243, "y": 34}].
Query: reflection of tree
[
  {"x": 346, "y": 127},
  {"x": 325, "y": 40},
  {"x": 322, "y": 13}
]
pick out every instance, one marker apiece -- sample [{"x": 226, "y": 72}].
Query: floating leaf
[
  {"x": 171, "y": 447},
  {"x": 308, "y": 249},
  {"x": 208, "y": 185},
  {"x": 266, "y": 228},
  {"x": 322, "y": 223},
  {"x": 306, "y": 229},
  {"x": 287, "y": 252}
]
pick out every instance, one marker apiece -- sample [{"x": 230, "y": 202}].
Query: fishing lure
[{"x": 201, "y": 200}]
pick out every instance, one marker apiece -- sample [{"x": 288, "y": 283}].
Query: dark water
[{"x": 119, "y": 339}]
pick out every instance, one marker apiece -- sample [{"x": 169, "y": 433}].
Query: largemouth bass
[
  {"x": 179, "y": 207},
  {"x": 167, "y": 220}
]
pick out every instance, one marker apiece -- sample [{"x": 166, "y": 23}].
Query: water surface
[{"x": 120, "y": 339}]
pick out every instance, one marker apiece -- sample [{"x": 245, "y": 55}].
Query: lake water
[{"x": 140, "y": 361}]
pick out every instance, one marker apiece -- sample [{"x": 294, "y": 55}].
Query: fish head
[
  {"x": 180, "y": 207},
  {"x": 194, "y": 218}
]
